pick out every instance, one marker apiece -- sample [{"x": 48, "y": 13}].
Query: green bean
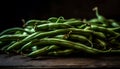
[
  {"x": 33, "y": 43},
  {"x": 104, "y": 30},
  {"x": 30, "y": 29},
  {"x": 82, "y": 26},
  {"x": 25, "y": 46},
  {"x": 53, "y": 47},
  {"x": 72, "y": 19},
  {"x": 69, "y": 44},
  {"x": 80, "y": 38},
  {"x": 60, "y": 36},
  {"x": 57, "y": 20},
  {"x": 116, "y": 29},
  {"x": 61, "y": 52},
  {"x": 11, "y": 37},
  {"x": 99, "y": 35},
  {"x": 74, "y": 23},
  {"x": 45, "y": 34},
  {"x": 87, "y": 28},
  {"x": 42, "y": 51},
  {"x": 100, "y": 17},
  {"x": 35, "y": 22},
  {"x": 114, "y": 23},
  {"x": 52, "y": 19},
  {"x": 52, "y": 26},
  {"x": 22, "y": 42},
  {"x": 101, "y": 43},
  {"x": 5, "y": 47},
  {"x": 38, "y": 52},
  {"x": 13, "y": 30},
  {"x": 94, "y": 21},
  {"x": 34, "y": 48},
  {"x": 52, "y": 33}
]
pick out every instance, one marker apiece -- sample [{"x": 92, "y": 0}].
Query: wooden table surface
[{"x": 18, "y": 62}]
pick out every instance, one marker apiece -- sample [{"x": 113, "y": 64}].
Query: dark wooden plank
[{"x": 18, "y": 61}]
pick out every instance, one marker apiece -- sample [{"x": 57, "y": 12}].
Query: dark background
[{"x": 11, "y": 13}]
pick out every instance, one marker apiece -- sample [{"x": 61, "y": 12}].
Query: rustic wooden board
[{"x": 18, "y": 62}]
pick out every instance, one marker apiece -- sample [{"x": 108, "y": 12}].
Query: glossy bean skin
[
  {"x": 12, "y": 37},
  {"x": 52, "y": 33},
  {"x": 58, "y": 36},
  {"x": 39, "y": 52},
  {"x": 68, "y": 44},
  {"x": 34, "y": 22},
  {"x": 76, "y": 38},
  {"x": 42, "y": 51},
  {"x": 104, "y": 30},
  {"x": 12, "y": 31},
  {"x": 61, "y": 52},
  {"x": 52, "y": 26},
  {"x": 22, "y": 42}
]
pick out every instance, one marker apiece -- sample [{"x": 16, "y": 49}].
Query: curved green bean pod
[
  {"x": 104, "y": 30},
  {"x": 52, "y": 26},
  {"x": 74, "y": 37},
  {"x": 116, "y": 29},
  {"x": 13, "y": 30},
  {"x": 101, "y": 43},
  {"x": 57, "y": 20},
  {"x": 35, "y": 22},
  {"x": 69, "y": 44},
  {"x": 74, "y": 23},
  {"x": 80, "y": 38},
  {"x": 12, "y": 37},
  {"x": 42, "y": 51},
  {"x": 38, "y": 52},
  {"x": 61, "y": 52},
  {"x": 22, "y": 42},
  {"x": 51, "y": 33}
]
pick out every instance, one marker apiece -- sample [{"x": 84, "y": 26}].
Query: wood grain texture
[{"x": 18, "y": 62}]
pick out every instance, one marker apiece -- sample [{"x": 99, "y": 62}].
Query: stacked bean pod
[{"x": 61, "y": 37}]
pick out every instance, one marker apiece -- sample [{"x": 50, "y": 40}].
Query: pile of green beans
[{"x": 63, "y": 37}]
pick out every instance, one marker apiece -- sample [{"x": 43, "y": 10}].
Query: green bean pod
[
  {"x": 38, "y": 52},
  {"x": 34, "y": 22},
  {"x": 52, "y": 26},
  {"x": 46, "y": 34},
  {"x": 101, "y": 43},
  {"x": 51, "y": 33},
  {"x": 101, "y": 18},
  {"x": 6, "y": 46},
  {"x": 25, "y": 46},
  {"x": 22, "y": 42},
  {"x": 57, "y": 20},
  {"x": 78, "y": 38},
  {"x": 42, "y": 51},
  {"x": 116, "y": 29},
  {"x": 12, "y": 37},
  {"x": 74, "y": 23},
  {"x": 104, "y": 30},
  {"x": 61, "y": 52},
  {"x": 69, "y": 44},
  {"x": 13, "y": 30}
]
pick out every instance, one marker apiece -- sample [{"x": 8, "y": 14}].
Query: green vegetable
[
  {"x": 69, "y": 44},
  {"x": 61, "y": 52},
  {"x": 12, "y": 37},
  {"x": 52, "y": 26},
  {"x": 57, "y": 36},
  {"x": 13, "y": 30}
]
